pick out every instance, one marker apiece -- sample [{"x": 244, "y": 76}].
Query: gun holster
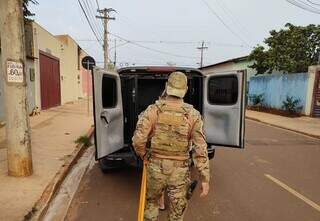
[{"x": 191, "y": 188}]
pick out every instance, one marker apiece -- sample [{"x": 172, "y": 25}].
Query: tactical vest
[{"x": 171, "y": 130}]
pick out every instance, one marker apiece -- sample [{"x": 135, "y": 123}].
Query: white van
[{"x": 120, "y": 97}]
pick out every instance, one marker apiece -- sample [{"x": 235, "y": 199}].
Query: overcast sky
[{"x": 174, "y": 27}]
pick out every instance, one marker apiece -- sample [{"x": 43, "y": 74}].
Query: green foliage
[
  {"x": 257, "y": 99},
  {"x": 290, "y": 50},
  {"x": 26, "y": 12},
  {"x": 84, "y": 140},
  {"x": 291, "y": 105}
]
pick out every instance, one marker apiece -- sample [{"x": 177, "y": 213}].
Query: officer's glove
[{"x": 204, "y": 189}]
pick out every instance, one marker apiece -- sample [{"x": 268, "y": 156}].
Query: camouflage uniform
[{"x": 175, "y": 129}]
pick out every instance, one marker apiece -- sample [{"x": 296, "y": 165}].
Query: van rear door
[
  {"x": 224, "y": 108},
  {"x": 108, "y": 112}
]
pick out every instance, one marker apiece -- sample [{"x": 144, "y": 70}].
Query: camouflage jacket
[{"x": 144, "y": 133}]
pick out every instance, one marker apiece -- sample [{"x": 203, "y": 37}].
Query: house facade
[
  {"x": 235, "y": 64},
  {"x": 53, "y": 70}
]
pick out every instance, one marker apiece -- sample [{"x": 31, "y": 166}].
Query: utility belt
[
  {"x": 176, "y": 163},
  {"x": 169, "y": 155}
]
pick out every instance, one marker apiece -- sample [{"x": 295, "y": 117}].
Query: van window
[
  {"x": 109, "y": 92},
  {"x": 223, "y": 90}
]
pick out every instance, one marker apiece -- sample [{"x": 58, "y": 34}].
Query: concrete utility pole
[
  {"x": 106, "y": 18},
  {"x": 15, "y": 90},
  {"x": 201, "y": 50}
]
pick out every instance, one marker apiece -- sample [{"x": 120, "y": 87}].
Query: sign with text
[{"x": 15, "y": 72}]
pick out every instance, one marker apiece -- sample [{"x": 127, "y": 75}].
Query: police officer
[{"x": 175, "y": 130}]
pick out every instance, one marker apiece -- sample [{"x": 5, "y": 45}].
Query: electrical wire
[
  {"x": 97, "y": 2},
  {"x": 304, "y": 6},
  {"x": 224, "y": 23},
  {"x": 183, "y": 43},
  {"x": 233, "y": 19},
  {"x": 118, "y": 46},
  {"x": 92, "y": 18},
  {"x": 86, "y": 16},
  {"x": 94, "y": 11},
  {"x": 312, "y": 2},
  {"x": 130, "y": 63},
  {"x": 91, "y": 14},
  {"x": 151, "y": 49},
  {"x": 307, "y": 4}
]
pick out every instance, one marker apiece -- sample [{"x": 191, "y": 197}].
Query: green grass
[{"x": 84, "y": 140}]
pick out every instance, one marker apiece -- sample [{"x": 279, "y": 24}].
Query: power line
[
  {"x": 235, "y": 21},
  {"x": 304, "y": 6},
  {"x": 91, "y": 13},
  {"x": 307, "y": 4},
  {"x": 314, "y": 3},
  {"x": 152, "y": 49},
  {"x": 218, "y": 44},
  {"x": 97, "y": 2},
  {"x": 94, "y": 12},
  {"x": 224, "y": 23},
  {"x": 85, "y": 14},
  {"x": 131, "y": 63}
]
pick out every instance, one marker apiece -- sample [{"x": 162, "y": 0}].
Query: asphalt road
[{"x": 276, "y": 177}]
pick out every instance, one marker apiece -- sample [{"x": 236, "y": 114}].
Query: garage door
[{"x": 49, "y": 81}]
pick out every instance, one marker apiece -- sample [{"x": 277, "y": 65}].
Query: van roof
[{"x": 157, "y": 69}]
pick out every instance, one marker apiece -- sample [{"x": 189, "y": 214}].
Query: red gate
[
  {"x": 49, "y": 81},
  {"x": 316, "y": 96}
]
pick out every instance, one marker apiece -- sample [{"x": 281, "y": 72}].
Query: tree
[{"x": 290, "y": 50}]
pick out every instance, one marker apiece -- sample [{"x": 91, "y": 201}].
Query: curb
[
  {"x": 41, "y": 206},
  {"x": 285, "y": 128}
]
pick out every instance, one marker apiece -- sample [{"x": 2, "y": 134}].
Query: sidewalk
[
  {"x": 305, "y": 125},
  {"x": 53, "y": 134}
]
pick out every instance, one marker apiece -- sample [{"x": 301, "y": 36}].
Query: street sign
[
  {"x": 88, "y": 63},
  {"x": 15, "y": 72}
]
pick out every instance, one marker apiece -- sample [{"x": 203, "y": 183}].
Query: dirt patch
[{"x": 274, "y": 111}]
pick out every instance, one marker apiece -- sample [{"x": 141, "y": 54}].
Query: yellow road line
[{"x": 292, "y": 191}]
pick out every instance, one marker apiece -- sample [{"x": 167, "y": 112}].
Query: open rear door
[
  {"x": 108, "y": 112},
  {"x": 224, "y": 108}
]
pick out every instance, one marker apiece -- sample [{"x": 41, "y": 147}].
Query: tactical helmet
[{"x": 177, "y": 84}]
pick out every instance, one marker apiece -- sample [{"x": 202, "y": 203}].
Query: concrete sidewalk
[
  {"x": 53, "y": 134},
  {"x": 305, "y": 125}
]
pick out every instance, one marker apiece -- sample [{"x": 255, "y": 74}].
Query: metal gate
[
  {"x": 316, "y": 96},
  {"x": 49, "y": 81}
]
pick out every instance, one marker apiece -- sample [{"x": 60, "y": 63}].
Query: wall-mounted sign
[{"x": 15, "y": 72}]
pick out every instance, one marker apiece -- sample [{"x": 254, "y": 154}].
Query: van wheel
[
  {"x": 108, "y": 165},
  {"x": 211, "y": 155}
]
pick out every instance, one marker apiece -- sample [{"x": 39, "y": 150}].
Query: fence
[{"x": 277, "y": 87}]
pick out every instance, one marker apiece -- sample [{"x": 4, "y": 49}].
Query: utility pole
[
  {"x": 105, "y": 16},
  {"x": 15, "y": 88},
  {"x": 201, "y": 51}
]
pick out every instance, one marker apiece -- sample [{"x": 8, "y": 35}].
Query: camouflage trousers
[{"x": 172, "y": 176}]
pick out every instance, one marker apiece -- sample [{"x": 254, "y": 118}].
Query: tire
[
  {"x": 108, "y": 165},
  {"x": 211, "y": 155}
]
